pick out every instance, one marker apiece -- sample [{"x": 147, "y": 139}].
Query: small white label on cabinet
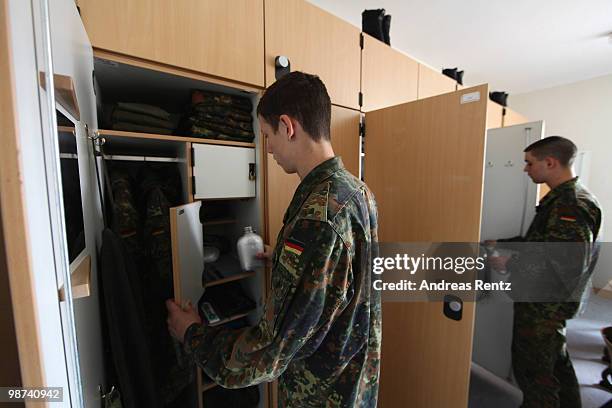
[{"x": 470, "y": 97}]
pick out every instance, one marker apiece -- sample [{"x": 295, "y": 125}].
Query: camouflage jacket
[
  {"x": 322, "y": 336},
  {"x": 556, "y": 265}
]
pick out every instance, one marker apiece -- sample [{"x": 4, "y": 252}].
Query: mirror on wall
[{"x": 71, "y": 187}]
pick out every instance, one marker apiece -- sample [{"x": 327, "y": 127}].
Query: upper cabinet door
[
  {"x": 220, "y": 38},
  {"x": 432, "y": 83},
  {"x": 281, "y": 186},
  {"x": 389, "y": 77},
  {"x": 316, "y": 42},
  {"x": 424, "y": 162}
]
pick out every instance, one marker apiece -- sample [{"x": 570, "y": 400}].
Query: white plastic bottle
[{"x": 248, "y": 246}]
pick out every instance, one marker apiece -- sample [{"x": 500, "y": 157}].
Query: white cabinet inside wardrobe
[{"x": 223, "y": 171}]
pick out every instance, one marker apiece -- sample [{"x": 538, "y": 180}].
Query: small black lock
[
  {"x": 282, "y": 66},
  {"x": 453, "y": 307}
]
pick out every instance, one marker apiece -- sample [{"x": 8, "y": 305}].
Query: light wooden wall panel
[
  {"x": 316, "y": 42},
  {"x": 433, "y": 83},
  {"x": 221, "y": 38},
  {"x": 389, "y": 77}
]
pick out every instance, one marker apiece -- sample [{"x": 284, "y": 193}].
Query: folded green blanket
[
  {"x": 120, "y": 115},
  {"x": 144, "y": 109}
]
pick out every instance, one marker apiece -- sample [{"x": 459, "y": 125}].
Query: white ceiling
[{"x": 516, "y": 46}]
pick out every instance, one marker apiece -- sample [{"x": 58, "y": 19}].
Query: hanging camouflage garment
[
  {"x": 321, "y": 336},
  {"x": 126, "y": 220}
]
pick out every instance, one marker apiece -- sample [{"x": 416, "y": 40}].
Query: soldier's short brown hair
[
  {"x": 558, "y": 147},
  {"x": 301, "y": 96}
]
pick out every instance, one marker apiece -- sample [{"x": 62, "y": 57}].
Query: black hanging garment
[
  {"x": 499, "y": 97},
  {"x": 174, "y": 370},
  {"x": 386, "y": 28},
  {"x": 454, "y": 73},
  {"x": 125, "y": 313},
  {"x": 376, "y": 24}
]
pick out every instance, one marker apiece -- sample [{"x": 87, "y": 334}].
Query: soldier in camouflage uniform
[
  {"x": 551, "y": 272},
  {"x": 322, "y": 336}
]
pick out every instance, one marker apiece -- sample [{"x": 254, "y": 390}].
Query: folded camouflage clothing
[
  {"x": 223, "y": 112},
  {"x": 207, "y": 98},
  {"x": 220, "y": 116},
  {"x": 205, "y": 128}
]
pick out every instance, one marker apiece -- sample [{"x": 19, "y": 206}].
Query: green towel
[{"x": 144, "y": 109}]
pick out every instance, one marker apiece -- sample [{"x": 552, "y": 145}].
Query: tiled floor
[{"x": 586, "y": 348}]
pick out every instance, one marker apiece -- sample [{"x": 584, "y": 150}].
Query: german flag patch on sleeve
[{"x": 294, "y": 246}]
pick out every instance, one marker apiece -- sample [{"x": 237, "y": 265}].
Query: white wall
[{"x": 582, "y": 112}]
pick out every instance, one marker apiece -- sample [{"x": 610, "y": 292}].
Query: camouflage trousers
[{"x": 542, "y": 365}]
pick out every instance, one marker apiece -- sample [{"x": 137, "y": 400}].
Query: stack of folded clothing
[
  {"x": 139, "y": 117},
  {"x": 220, "y": 116}
]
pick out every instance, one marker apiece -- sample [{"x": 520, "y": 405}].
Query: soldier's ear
[{"x": 286, "y": 122}]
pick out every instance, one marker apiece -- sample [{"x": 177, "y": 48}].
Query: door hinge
[
  {"x": 360, "y": 99},
  {"x": 362, "y": 128},
  {"x": 193, "y": 186},
  {"x": 192, "y": 157},
  {"x": 361, "y": 40}
]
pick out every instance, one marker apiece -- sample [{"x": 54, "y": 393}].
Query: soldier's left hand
[
  {"x": 498, "y": 263},
  {"x": 179, "y": 319}
]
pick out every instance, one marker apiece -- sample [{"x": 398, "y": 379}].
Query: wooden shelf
[
  {"x": 80, "y": 279},
  {"x": 231, "y": 319},
  {"x": 172, "y": 138},
  {"x": 220, "y": 222},
  {"x": 65, "y": 93},
  {"x": 230, "y": 279}
]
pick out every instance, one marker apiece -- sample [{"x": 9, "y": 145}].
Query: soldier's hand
[
  {"x": 490, "y": 243},
  {"x": 179, "y": 319},
  {"x": 267, "y": 254},
  {"x": 498, "y": 263}
]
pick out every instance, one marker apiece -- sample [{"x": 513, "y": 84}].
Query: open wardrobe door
[{"x": 416, "y": 153}]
